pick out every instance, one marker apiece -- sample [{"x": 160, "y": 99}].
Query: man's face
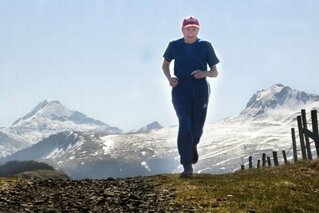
[{"x": 190, "y": 34}]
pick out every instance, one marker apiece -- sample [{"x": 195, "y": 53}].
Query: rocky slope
[
  {"x": 109, "y": 195},
  {"x": 289, "y": 188}
]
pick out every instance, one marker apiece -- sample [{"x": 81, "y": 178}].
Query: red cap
[{"x": 190, "y": 22}]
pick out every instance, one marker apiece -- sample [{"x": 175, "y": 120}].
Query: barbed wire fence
[{"x": 304, "y": 137}]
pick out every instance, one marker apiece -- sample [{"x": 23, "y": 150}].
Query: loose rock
[{"x": 109, "y": 195}]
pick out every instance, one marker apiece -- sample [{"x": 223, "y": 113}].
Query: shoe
[
  {"x": 195, "y": 155},
  {"x": 188, "y": 171},
  {"x": 186, "y": 175}
]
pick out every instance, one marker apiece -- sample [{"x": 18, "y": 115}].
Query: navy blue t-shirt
[{"x": 190, "y": 57}]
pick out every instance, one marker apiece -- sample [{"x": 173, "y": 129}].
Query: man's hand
[
  {"x": 173, "y": 82},
  {"x": 198, "y": 74}
]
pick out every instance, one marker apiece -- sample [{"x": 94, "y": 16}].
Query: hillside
[
  {"x": 262, "y": 127},
  {"x": 292, "y": 188}
]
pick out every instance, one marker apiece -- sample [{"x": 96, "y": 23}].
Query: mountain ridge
[
  {"x": 35, "y": 110},
  {"x": 222, "y": 147},
  {"x": 53, "y": 110},
  {"x": 48, "y": 118},
  {"x": 151, "y": 126},
  {"x": 276, "y": 97}
]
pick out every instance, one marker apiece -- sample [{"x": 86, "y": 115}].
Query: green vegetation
[
  {"x": 15, "y": 167},
  {"x": 7, "y": 182},
  {"x": 291, "y": 188}
]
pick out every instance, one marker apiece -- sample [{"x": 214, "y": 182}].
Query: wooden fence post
[
  {"x": 314, "y": 134},
  {"x": 269, "y": 161},
  {"x": 294, "y": 145},
  {"x": 250, "y": 162},
  {"x": 284, "y": 156},
  {"x": 302, "y": 142},
  {"x": 264, "y": 159},
  {"x": 258, "y": 164},
  {"x": 242, "y": 167},
  {"x": 305, "y": 127},
  {"x": 275, "y": 156},
  {"x": 314, "y": 121}
]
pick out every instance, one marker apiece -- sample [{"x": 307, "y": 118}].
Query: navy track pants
[{"x": 190, "y": 100}]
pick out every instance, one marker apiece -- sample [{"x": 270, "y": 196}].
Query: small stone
[
  {"x": 39, "y": 202},
  {"x": 109, "y": 194}
]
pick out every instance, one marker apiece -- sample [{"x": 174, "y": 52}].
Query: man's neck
[{"x": 190, "y": 41}]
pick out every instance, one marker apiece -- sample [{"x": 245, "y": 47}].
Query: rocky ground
[
  {"x": 64, "y": 195},
  {"x": 287, "y": 188}
]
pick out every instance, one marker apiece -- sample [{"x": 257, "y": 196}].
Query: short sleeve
[
  {"x": 211, "y": 56},
  {"x": 169, "y": 53}
]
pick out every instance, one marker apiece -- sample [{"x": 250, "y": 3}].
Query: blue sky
[{"x": 103, "y": 58}]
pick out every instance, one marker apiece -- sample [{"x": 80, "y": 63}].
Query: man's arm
[
  {"x": 212, "y": 73},
  {"x": 166, "y": 69},
  {"x": 167, "y": 72}
]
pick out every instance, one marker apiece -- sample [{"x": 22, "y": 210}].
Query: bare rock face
[{"x": 137, "y": 194}]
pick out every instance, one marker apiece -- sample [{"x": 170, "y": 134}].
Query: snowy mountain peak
[
  {"x": 149, "y": 127},
  {"x": 47, "y": 108},
  {"x": 278, "y": 98},
  {"x": 50, "y": 101},
  {"x": 268, "y": 95},
  {"x": 52, "y": 115}
]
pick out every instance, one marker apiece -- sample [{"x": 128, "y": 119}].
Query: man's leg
[
  {"x": 185, "y": 136},
  {"x": 199, "y": 113},
  {"x": 183, "y": 106},
  {"x": 199, "y": 117}
]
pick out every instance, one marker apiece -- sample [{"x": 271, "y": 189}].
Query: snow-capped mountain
[
  {"x": 52, "y": 115},
  {"x": 149, "y": 127},
  {"x": 278, "y": 101},
  {"x": 47, "y": 118},
  {"x": 8, "y": 144},
  {"x": 82, "y": 155},
  {"x": 262, "y": 127}
]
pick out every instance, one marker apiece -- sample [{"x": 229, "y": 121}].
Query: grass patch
[
  {"x": 291, "y": 188},
  {"x": 9, "y": 181}
]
